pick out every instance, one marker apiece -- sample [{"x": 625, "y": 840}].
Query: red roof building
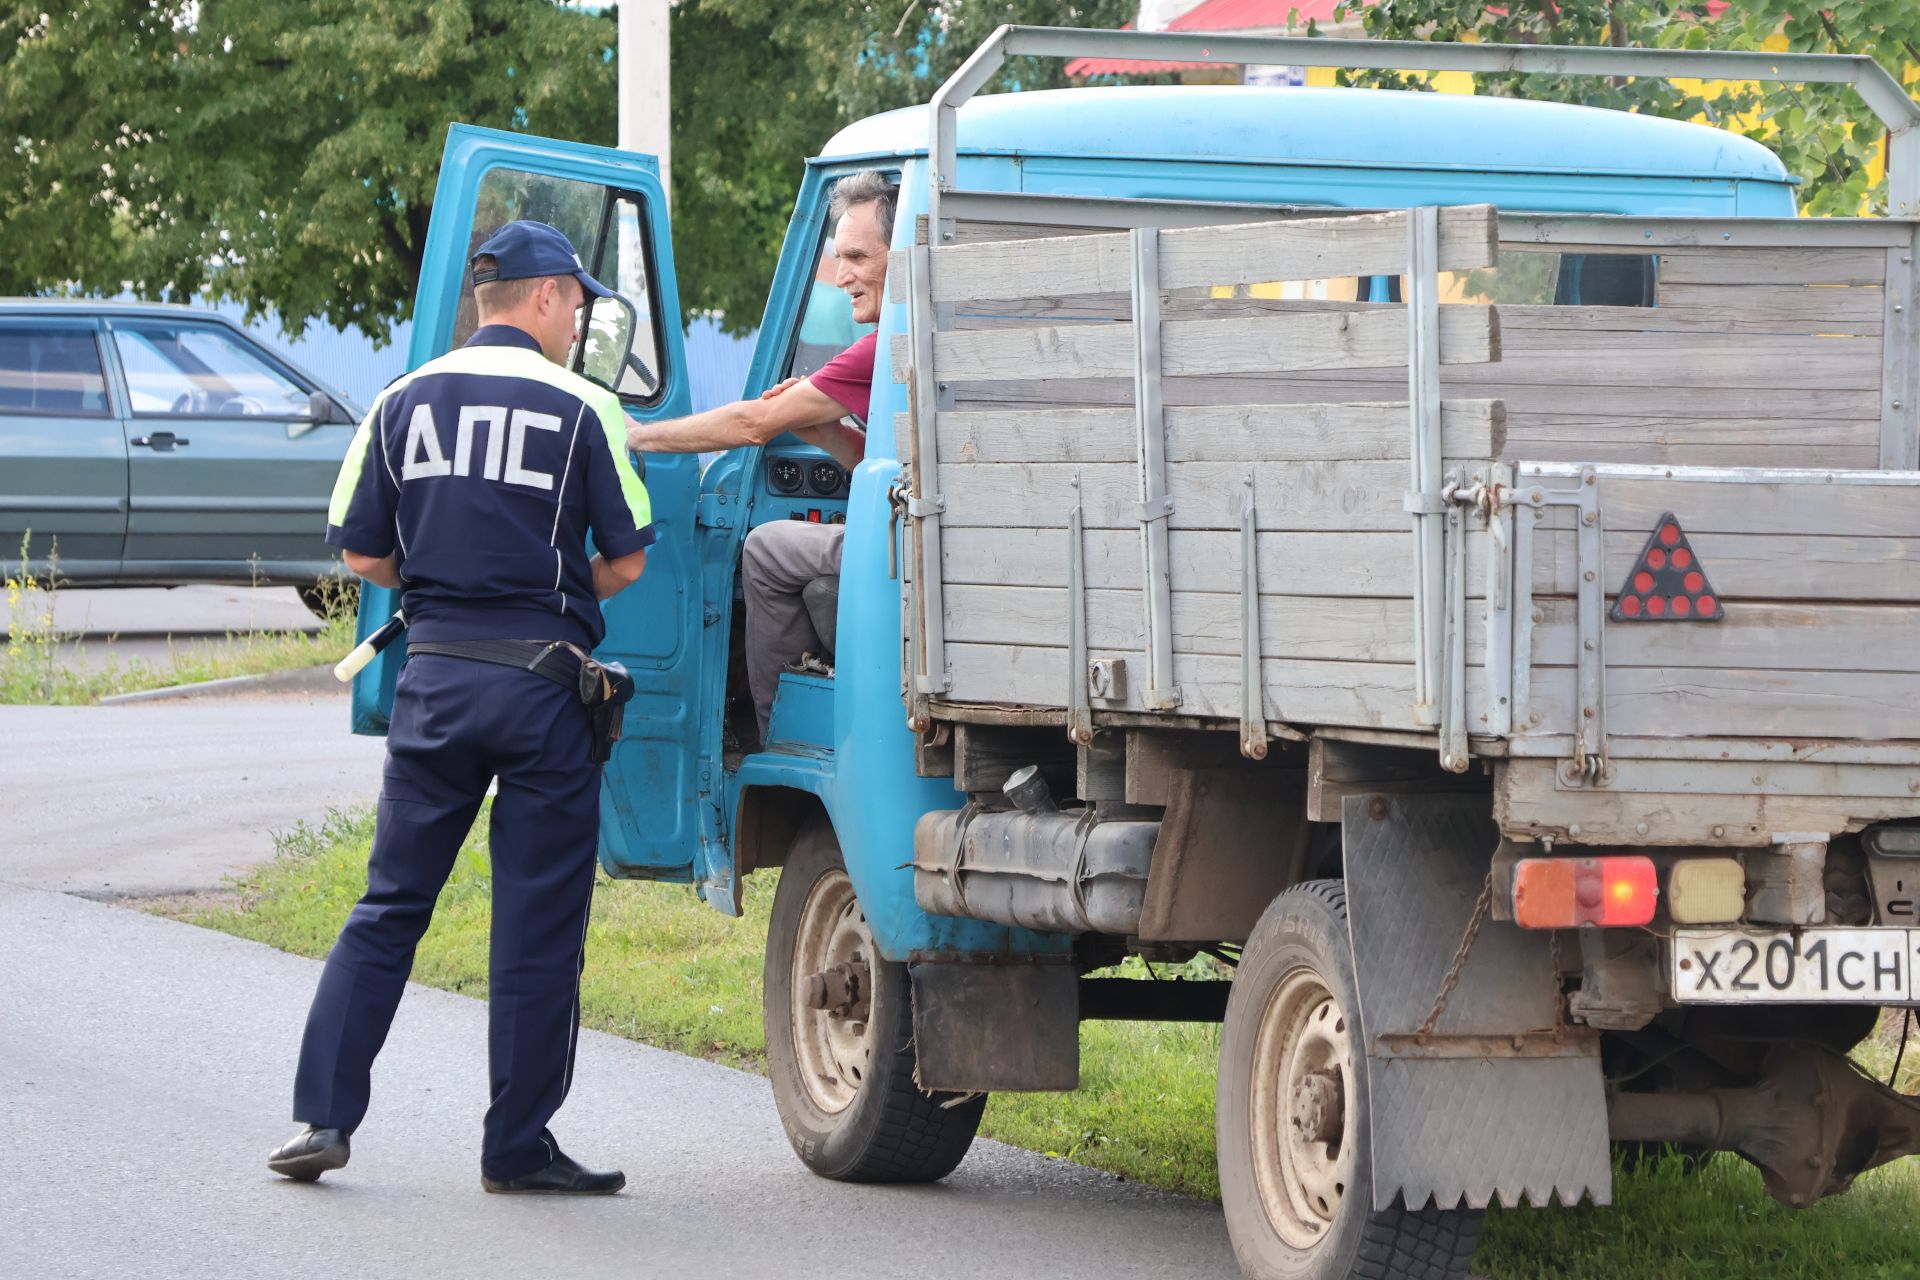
[{"x": 1267, "y": 16}]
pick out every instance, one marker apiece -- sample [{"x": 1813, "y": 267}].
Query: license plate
[{"x": 1794, "y": 966}]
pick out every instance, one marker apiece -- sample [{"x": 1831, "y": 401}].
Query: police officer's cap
[{"x": 525, "y": 248}]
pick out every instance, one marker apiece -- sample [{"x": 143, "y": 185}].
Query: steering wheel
[{"x": 241, "y": 407}]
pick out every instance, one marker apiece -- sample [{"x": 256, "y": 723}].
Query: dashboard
[{"x": 805, "y": 484}]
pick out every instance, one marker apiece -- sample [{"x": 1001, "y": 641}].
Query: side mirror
[
  {"x": 608, "y": 340},
  {"x": 321, "y": 410}
]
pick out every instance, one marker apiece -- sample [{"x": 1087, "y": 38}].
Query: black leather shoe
[
  {"x": 564, "y": 1177},
  {"x": 310, "y": 1153}
]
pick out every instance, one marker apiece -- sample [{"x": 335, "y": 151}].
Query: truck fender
[{"x": 765, "y": 822}]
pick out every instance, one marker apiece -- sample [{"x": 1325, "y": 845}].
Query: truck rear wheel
[
  {"x": 839, "y": 1023},
  {"x": 1292, "y": 1122}
]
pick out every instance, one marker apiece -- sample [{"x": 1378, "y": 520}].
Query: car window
[
  {"x": 51, "y": 371},
  {"x": 201, "y": 370},
  {"x": 607, "y": 228}
]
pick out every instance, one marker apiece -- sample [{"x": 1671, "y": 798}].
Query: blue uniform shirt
[{"x": 485, "y": 469}]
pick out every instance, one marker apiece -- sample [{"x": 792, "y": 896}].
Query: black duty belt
[{"x": 603, "y": 688}]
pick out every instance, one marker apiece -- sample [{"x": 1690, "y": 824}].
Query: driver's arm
[
  {"x": 847, "y": 445},
  {"x": 802, "y": 407}
]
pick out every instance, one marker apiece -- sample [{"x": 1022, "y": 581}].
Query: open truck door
[{"x": 611, "y": 206}]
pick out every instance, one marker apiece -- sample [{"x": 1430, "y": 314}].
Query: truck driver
[{"x": 782, "y": 557}]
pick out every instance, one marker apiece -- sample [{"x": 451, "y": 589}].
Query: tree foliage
[
  {"x": 1823, "y": 133},
  {"x": 281, "y": 152},
  {"x": 759, "y": 85},
  {"x": 284, "y": 152}
]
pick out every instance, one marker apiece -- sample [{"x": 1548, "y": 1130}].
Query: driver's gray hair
[{"x": 869, "y": 186}]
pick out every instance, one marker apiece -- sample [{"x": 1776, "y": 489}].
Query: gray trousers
[{"x": 781, "y": 557}]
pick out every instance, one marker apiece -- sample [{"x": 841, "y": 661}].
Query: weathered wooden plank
[
  {"x": 1285, "y": 342},
  {"x": 1692, "y": 441},
  {"x": 1814, "y": 453},
  {"x": 1771, "y": 637},
  {"x": 1580, "y": 426},
  {"x": 978, "y": 230},
  {"x": 1366, "y": 694},
  {"x": 1305, "y": 249},
  {"x": 1772, "y": 265},
  {"x": 1726, "y": 506},
  {"x": 1719, "y": 262},
  {"x": 1557, "y": 357},
  {"x": 1683, "y": 309},
  {"x": 1528, "y": 801},
  {"x": 1764, "y": 308},
  {"x": 1316, "y": 249},
  {"x": 1687, "y": 702},
  {"x": 1030, "y": 267},
  {"x": 1225, "y": 433},
  {"x": 1291, "y": 564},
  {"x": 1345, "y": 630},
  {"x": 1792, "y": 567},
  {"x": 1307, "y": 496},
  {"x": 1618, "y": 394}
]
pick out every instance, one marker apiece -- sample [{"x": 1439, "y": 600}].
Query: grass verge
[
  {"x": 43, "y": 665},
  {"x": 61, "y": 678},
  {"x": 665, "y": 969}
]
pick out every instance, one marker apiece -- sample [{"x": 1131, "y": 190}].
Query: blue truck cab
[{"x": 864, "y": 987}]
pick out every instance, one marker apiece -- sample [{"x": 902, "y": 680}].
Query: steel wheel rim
[
  {"x": 833, "y": 1047},
  {"x": 1304, "y": 1045}
]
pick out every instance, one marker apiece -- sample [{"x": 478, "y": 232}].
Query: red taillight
[{"x": 1563, "y": 893}]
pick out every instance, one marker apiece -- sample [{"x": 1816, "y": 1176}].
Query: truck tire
[
  {"x": 843, "y": 1075},
  {"x": 1293, "y": 1131}
]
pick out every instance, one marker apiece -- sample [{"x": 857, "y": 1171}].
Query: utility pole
[{"x": 645, "y": 89}]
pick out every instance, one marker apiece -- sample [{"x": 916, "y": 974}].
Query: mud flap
[
  {"x": 994, "y": 1028},
  {"x": 1459, "y": 1120}
]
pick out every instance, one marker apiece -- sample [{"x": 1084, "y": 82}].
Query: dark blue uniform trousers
[{"x": 457, "y": 725}]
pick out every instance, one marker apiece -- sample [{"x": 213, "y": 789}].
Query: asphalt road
[
  {"x": 164, "y": 797},
  {"x": 145, "y": 1069},
  {"x": 146, "y": 1066}
]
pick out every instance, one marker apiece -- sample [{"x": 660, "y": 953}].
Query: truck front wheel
[
  {"x": 1293, "y": 1130},
  {"x": 839, "y": 1024}
]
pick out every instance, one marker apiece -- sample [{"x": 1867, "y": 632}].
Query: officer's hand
[{"x": 775, "y": 390}]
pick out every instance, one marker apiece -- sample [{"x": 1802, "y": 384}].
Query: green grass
[
  {"x": 664, "y": 968},
  {"x": 58, "y": 678},
  {"x": 41, "y": 665}
]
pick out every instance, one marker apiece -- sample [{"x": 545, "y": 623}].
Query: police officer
[{"x": 471, "y": 487}]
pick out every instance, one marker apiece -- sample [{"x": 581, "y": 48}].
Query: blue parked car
[{"x": 160, "y": 445}]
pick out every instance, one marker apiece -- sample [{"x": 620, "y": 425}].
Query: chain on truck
[{"x": 1456, "y": 559}]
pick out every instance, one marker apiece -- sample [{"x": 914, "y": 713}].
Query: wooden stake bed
[{"x": 1241, "y": 430}]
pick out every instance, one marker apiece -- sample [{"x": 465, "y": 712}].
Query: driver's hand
[{"x": 775, "y": 390}]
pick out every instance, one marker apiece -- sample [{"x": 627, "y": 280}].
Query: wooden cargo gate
[{"x": 1100, "y": 417}]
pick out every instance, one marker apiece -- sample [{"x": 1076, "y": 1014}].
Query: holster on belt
[{"x": 603, "y": 687}]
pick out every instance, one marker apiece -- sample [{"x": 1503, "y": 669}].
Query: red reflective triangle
[{"x": 1667, "y": 582}]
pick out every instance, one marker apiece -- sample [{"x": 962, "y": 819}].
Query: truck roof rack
[{"x": 1875, "y": 85}]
